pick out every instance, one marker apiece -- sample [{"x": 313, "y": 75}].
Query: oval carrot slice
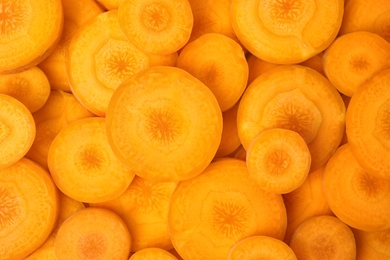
[
  {"x": 28, "y": 208},
  {"x": 29, "y": 29},
  {"x": 17, "y": 130},
  {"x": 83, "y": 165},
  {"x": 93, "y": 233},
  {"x": 221, "y": 207},
  {"x": 152, "y": 253},
  {"x": 164, "y": 124}
]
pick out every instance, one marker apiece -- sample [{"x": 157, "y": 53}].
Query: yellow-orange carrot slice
[
  {"x": 156, "y": 26},
  {"x": 31, "y": 87},
  {"x": 222, "y": 206},
  {"x": 278, "y": 160},
  {"x": 93, "y": 233},
  {"x": 297, "y": 98},
  {"x": 164, "y": 124},
  {"x": 100, "y": 59},
  {"x": 28, "y": 208},
  {"x": 261, "y": 247},
  {"x": 152, "y": 253},
  {"x": 355, "y": 57},
  {"x": 372, "y": 245},
  {"x": 367, "y": 125},
  {"x": 29, "y": 29},
  {"x": 17, "y": 130},
  {"x": 144, "y": 208},
  {"x": 285, "y": 31},
  {"x": 83, "y": 165},
  {"x": 323, "y": 237},
  {"x": 355, "y": 196},
  {"x": 220, "y": 63}
]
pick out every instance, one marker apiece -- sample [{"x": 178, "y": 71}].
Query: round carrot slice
[
  {"x": 28, "y": 208},
  {"x": 152, "y": 253},
  {"x": 17, "y": 130},
  {"x": 261, "y": 247},
  {"x": 221, "y": 207},
  {"x": 83, "y": 165},
  {"x": 156, "y": 26},
  {"x": 93, "y": 233},
  {"x": 367, "y": 125},
  {"x": 285, "y": 31},
  {"x": 29, "y": 29},
  {"x": 164, "y": 124}
]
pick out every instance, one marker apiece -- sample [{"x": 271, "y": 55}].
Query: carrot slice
[
  {"x": 261, "y": 247},
  {"x": 17, "y": 130},
  {"x": 355, "y": 196},
  {"x": 164, "y": 124},
  {"x": 286, "y": 32},
  {"x": 221, "y": 207},
  {"x": 367, "y": 125},
  {"x": 156, "y": 26},
  {"x": 83, "y": 165},
  {"x": 29, "y": 30},
  {"x": 257, "y": 67},
  {"x": 297, "y": 98},
  {"x": 323, "y": 237},
  {"x": 372, "y": 245},
  {"x": 93, "y": 233},
  {"x": 278, "y": 160},
  {"x": 152, "y": 253},
  {"x": 28, "y": 206}
]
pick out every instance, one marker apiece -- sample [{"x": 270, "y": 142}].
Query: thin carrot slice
[
  {"x": 156, "y": 26},
  {"x": 278, "y": 160},
  {"x": 261, "y": 247},
  {"x": 28, "y": 208},
  {"x": 367, "y": 125},
  {"x": 93, "y": 233},
  {"x": 355, "y": 196},
  {"x": 17, "y": 130},
  {"x": 221, "y": 207},
  {"x": 164, "y": 124},
  {"x": 372, "y": 245},
  {"x": 286, "y": 32},
  {"x": 83, "y": 165},
  {"x": 152, "y": 253},
  {"x": 29, "y": 30}
]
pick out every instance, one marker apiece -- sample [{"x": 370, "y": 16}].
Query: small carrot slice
[
  {"x": 83, "y": 165},
  {"x": 28, "y": 208},
  {"x": 156, "y": 26},
  {"x": 93, "y": 233},
  {"x": 152, "y": 253},
  {"x": 17, "y": 130},
  {"x": 278, "y": 160}
]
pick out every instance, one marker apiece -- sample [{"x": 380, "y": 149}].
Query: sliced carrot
[
  {"x": 315, "y": 62},
  {"x": 164, "y": 124},
  {"x": 221, "y": 207},
  {"x": 83, "y": 165},
  {"x": 28, "y": 206},
  {"x": 93, "y": 233},
  {"x": 372, "y": 245},
  {"x": 152, "y": 253},
  {"x": 163, "y": 60},
  {"x": 278, "y": 160},
  {"x": 156, "y": 26},
  {"x": 17, "y": 130},
  {"x": 257, "y": 66}
]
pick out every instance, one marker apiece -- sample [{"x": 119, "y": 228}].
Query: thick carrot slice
[
  {"x": 297, "y": 98},
  {"x": 83, "y": 165},
  {"x": 29, "y": 30},
  {"x": 278, "y": 160},
  {"x": 323, "y": 237},
  {"x": 152, "y": 253},
  {"x": 367, "y": 125},
  {"x": 17, "y": 130},
  {"x": 261, "y": 247},
  {"x": 28, "y": 208},
  {"x": 156, "y": 26},
  {"x": 220, "y": 63},
  {"x": 221, "y": 207},
  {"x": 164, "y": 124},
  {"x": 372, "y": 245},
  {"x": 93, "y": 233},
  {"x": 285, "y": 31},
  {"x": 355, "y": 196}
]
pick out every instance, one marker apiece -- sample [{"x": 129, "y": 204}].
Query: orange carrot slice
[
  {"x": 221, "y": 207},
  {"x": 83, "y": 165},
  {"x": 28, "y": 206},
  {"x": 164, "y": 124},
  {"x": 372, "y": 245},
  {"x": 152, "y": 253}
]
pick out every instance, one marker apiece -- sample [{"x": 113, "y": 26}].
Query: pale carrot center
[
  {"x": 370, "y": 186},
  {"x": 323, "y": 247},
  {"x": 155, "y": 17},
  {"x": 277, "y": 162},
  {"x": 359, "y": 63},
  {"x": 14, "y": 15},
  {"x": 92, "y": 246},
  {"x": 90, "y": 158},
  {"x": 10, "y": 210}
]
